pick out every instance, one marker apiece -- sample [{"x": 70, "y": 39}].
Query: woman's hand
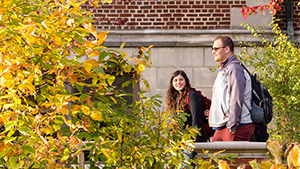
[{"x": 206, "y": 113}]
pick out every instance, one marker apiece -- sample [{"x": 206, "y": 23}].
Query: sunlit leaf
[
  {"x": 254, "y": 164},
  {"x": 223, "y": 165},
  {"x": 96, "y": 116},
  {"x": 111, "y": 79},
  {"x": 85, "y": 109},
  {"x": 9, "y": 139},
  {"x": 28, "y": 149},
  {"x": 275, "y": 149},
  {"x": 265, "y": 164},
  {"x": 95, "y": 53},
  {"x": 141, "y": 67},
  {"x": 87, "y": 66},
  {"x": 293, "y": 158},
  {"x": 15, "y": 163}
]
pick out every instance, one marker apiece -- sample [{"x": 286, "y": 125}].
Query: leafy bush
[
  {"x": 276, "y": 61},
  {"x": 50, "y": 102}
]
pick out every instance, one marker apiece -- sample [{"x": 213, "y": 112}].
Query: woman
[{"x": 176, "y": 99}]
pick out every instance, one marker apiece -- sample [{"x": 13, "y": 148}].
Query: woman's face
[{"x": 178, "y": 83}]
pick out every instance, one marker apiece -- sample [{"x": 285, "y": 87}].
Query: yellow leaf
[
  {"x": 91, "y": 28},
  {"x": 93, "y": 62},
  {"x": 278, "y": 166},
  {"x": 223, "y": 165},
  {"x": 85, "y": 109},
  {"x": 119, "y": 137},
  {"x": 141, "y": 67},
  {"x": 293, "y": 158},
  {"x": 254, "y": 164},
  {"x": 265, "y": 164},
  {"x": 102, "y": 35},
  {"x": 71, "y": 23},
  {"x": 95, "y": 53},
  {"x": 275, "y": 149},
  {"x": 96, "y": 116},
  {"x": 113, "y": 99},
  {"x": 111, "y": 79},
  {"x": 87, "y": 66}
]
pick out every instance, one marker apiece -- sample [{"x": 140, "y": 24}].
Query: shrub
[{"x": 276, "y": 61}]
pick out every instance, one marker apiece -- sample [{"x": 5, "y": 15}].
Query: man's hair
[{"x": 227, "y": 41}]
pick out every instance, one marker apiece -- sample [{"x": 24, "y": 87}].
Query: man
[{"x": 232, "y": 89}]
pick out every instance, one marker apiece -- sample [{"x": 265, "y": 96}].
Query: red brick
[
  {"x": 198, "y": 23},
  {"x": 185, "y": 6},
  {"x": 158, "y": 23},
  {"x": 120, "y": 7},
  {"x": 171, "y": 6},
  {"x": 152, "y": 15},
  {"x": 210, "y": 6},
  {"x": 218, "y": 15},
  {"x": 172, "y": 23},
  {"x": 197, "y": 6},
  {"x": 165, "y": 15},
  {"x": 138, "y": 15},
  {"x": 112, "y": 15},
  {"x": 185, "y": 23},
  {"x": 125, "y": 15},
  {"x": 205, "y": 15},
  {"x": 107, "y": 7},
  {"x": 132, "y": 7},
  {"x": 211, "y": 23},
  {"x": 146, "y": 7},
  {"x": 159, "y": 7},
  {"x": 191, "y": 15},
  {"x": 224, "y": 23},
  {"x": 145, "y": 23},
  {"x": 178, "y": 15}
]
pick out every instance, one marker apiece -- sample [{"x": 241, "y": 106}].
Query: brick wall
[
  {"x": 173, "y": 14},
  {"x": 282, "y": 16},
  {"x": 165, "y": 14}
]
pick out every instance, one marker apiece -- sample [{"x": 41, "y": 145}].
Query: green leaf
[
  {"x": 25, "y": 130},
  {"x": 56, "y": 127},
  {"x": 28, "y": 149},
  {"x": 9, "y": 139},
  {"x": 14, "y": 164},
  {"x": 98, "y": 70},
  {"x": 5, "y": 152},
  {"x": 79, "y": 88},
  {"x": 122, "y": 46},
  {"x": 125, "y": 84},
  {"x": 9, "y": 125}
]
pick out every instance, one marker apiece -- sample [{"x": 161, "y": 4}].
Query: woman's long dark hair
[{"x": 174, "y": 99}]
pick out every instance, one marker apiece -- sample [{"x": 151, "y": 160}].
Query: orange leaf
[{"x": 223, "y": 165}]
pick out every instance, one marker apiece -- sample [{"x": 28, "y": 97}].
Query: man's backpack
[
  {"x": 208, "y": 131},
  {"x": 262, "y": 104}
]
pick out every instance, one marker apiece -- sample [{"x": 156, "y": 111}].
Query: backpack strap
[
  {"x": 188, "y": 98},
  {"x": 240, "y": 63}
]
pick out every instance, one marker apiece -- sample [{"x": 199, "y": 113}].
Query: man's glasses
[{"x": 215, "y": 49}]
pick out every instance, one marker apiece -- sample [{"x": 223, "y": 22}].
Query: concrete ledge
[
  {"x": 178, "y": 38},
  {"x": 242, "y": 149}
]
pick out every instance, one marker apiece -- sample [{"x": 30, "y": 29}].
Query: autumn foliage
[
  {"x": 58, "y": 94},
  {"x": 273, "y": 6}
]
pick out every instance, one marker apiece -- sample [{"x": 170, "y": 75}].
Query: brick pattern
[
  {"x": 174, "y": 14},
  {"x": 165, "y": 14},
  {"x": 282, "y": 16}
]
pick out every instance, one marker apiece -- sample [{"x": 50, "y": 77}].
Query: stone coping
[
  {"x": 232, "y": 145},
  {"x": 243, "y": 149},
  {"x": 178, "y": 38}
]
